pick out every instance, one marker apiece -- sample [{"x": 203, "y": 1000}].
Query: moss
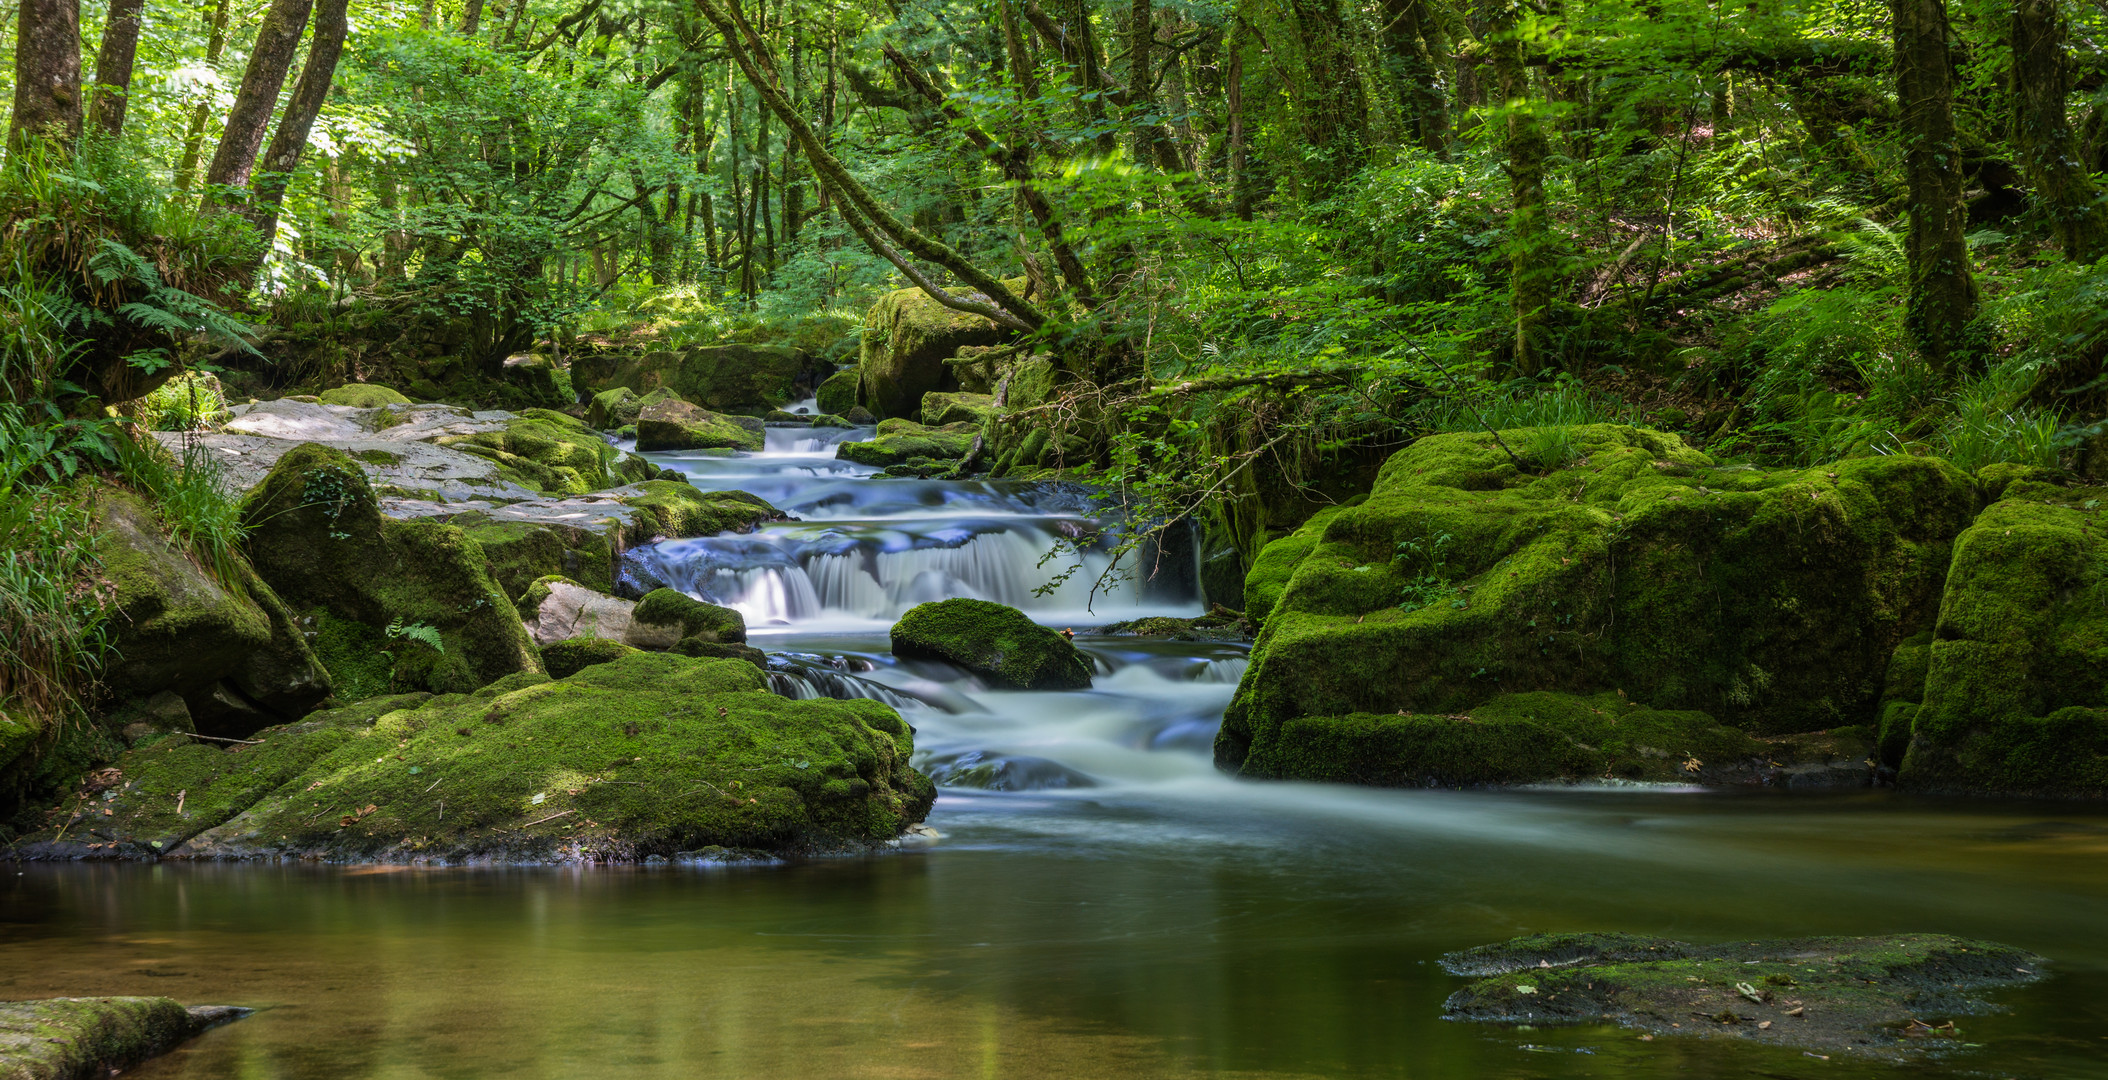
[
  {"x": 1837, "y": 994},
  {"x": 317, "y": 537},
  {"x": 529, "y": 603},
  {"x": 736, "y": 378},
  {"x": 1277, "y": 563},
  {"x": 685, "y": 617},
  {"x": 677, "y": 425},
  {"x": 838, "y": 393},
  {"x": 553, "y": 453},
  {"x": 701, "y": 647},
  {"x": 681, "y": 509},
  {"x": 2016, "y": 684},
  {"x": 362, "y": 396},
  {"x": 648, "y": 754},
  {"x": 519, "y": 680},
  {"x": 993, "y": 640},
  {"x": 613, "y": 408},
  {"x": 1770, "y": 601},
  {"x": 70, "y": 1037},
  {"x": 901, "y": 441},
  {"x": 940, "y": 409},
  {"x": 906, "y": 340},
  {"x": 522, "y": 551},
  {"x": 567, "y": 658}
]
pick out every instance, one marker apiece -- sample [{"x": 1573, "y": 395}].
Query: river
[{"x": 1101, "y": 903}]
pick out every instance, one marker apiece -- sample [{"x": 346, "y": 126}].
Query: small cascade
[{"x": 1223, "y": 671}]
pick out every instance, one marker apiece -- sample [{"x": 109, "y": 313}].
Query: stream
[{"x": 1101, "y": 903}]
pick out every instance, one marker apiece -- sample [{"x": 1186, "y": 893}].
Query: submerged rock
[
  {"x": 999, "y": 642},
  {"x": 1769, "y": 602},
  {"x": 1877, "y": 995},
  {"x": 674, "y": 424},
  {"x": 646, "y": 754},
  {"x": 63, "y": 1038}
]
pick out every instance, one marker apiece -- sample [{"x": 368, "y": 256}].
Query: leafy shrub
[
  {"x": 192, "y": 401},
  {"x": 52, "y": 601}
]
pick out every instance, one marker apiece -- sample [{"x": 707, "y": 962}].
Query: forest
[{"x": 1174, "y": 447}]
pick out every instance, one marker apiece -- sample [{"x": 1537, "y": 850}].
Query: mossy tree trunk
[
  {"x": 235, "y": 158},
  {"x": 1416, "y": 51},
  {"x": 1529, "y": 240},
  {"x": 1942, "y": 291},
  {"x": 1334, "y": 114},
  {"x": 290, "y": 140},
  {"x": 113, "y": 63},
  {"x": 47, "y": 71},
  {"x": 2049, "y": 150}
]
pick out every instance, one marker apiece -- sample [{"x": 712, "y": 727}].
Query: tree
[
  {"x": 1531, "y": 272},
  {"x": 113, "y": 64},
  {"x": 47, "y": 72},
  {"x": 2049, "y": 150},
  {"x": 276, "y": 40},
  {"x": 1942, "y": 289},
  {"x": 290, "y": 140}
]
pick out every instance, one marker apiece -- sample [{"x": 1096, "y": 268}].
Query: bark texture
[
  {"x": 276, "y": 41},
  {"x": 113, "y": 63},
  {"x": 47, "y": 71},
  {"x": 2049, "y": 150},
  {"x": 1529, "y": 240},
  {"x": 1942, "y": 291},
  {"x": 290, "y": 140}
]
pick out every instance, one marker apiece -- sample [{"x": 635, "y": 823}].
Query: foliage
[
  {"x": 192, "y": 401},
  {"x": 52, "y": 600}
]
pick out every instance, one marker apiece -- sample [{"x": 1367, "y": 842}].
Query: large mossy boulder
[
  {"x": 673, "y": 424},
  {"x": 745, "y": 379},
  {"x": 573, "y": 655},
  {"x": 907, "y": 339},
  {"x": 230, "y": 650},
  {"x": 646, "y": 754},
  {"x": 837, "y": 395},
  {"x": 618, "y": 408},
  {"x": 1621, "y": 561},
  {"x": 583, "y": 537},
  {"x": 940, "y": 409},
  {"x": 899, "y": 442},
  {"x": 666, "y": 617},
  {"x": 363, "y": 396},
  {"x": 992, "y": 640},
  {"x": 64, "y": 1038},
  {"x": 398, "y": 605},
  {"x": 553, "y": 453},
  {"x": 1884, "y": 996},
  {"x": 2014, "y": 679}
]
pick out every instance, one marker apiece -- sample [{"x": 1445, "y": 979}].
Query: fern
[{"x": 418, "y": 632}]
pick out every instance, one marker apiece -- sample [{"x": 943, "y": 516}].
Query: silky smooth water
[{"x": 1102, "y": 903}]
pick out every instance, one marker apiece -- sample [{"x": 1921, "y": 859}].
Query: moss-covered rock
[
  {"x": 666, "y": 617},
  {"x": 553, "y": 453},
  {"x": 583, "y": 537},
  {"x": 317, "y": 537},
  {"x": 64, "y": 1038},
  {"x": 993, "y": 640},
  {"x": 229, "y": 649},
  {"x": 702, "y": 647},
  {"x": 612, "y": 409},
  {"x": 1770, "y": 601},
  {"x": 557, "y": 609},
  {"x": 648, "y": 754},
  {"x": 907, "y": 338},
  {"x": 567, "y": 658},
  {"x": 736, "y": 378},
  {"x": 673, "y": 424},
  {"x": 2015, "y": 685},
  {"x": 362, "y": 396},
  {"x": 837, "y": 394},
  {"x": 939, "y": 409},
  {"x": 1278, "y": 560},
  {"x": 900, "y": 442},
  {"x": 1884, "y": 996}
]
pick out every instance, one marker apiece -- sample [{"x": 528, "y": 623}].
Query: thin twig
[
  {"x": 1475, "y": 414},
  {"x": 221, "y": 738},
  {"x": 552, "y": 817}
]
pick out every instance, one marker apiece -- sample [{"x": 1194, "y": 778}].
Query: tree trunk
[
  {"x": 1942, "y": 292},
  {"x": 194, "y": 139},
  {"x": 113, "y": 64},
  {"x": 1529, "y": 239},
  {"x": 1334, "y": 115},
  {"x": 47, "y": 72},
  {"x": 1416, "y": 48},
  {"x": 290, "y": 140},
  {"x": 1233, "y": 97},
  {"x": 2049, "y": 150},
  {"x": 235, "y": 158},
  {"x": 1141, "y": 34}
]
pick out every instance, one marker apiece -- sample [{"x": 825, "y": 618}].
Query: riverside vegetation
[{"x": 1586, "y": 395}]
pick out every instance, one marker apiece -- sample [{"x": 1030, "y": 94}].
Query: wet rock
[
  {"x": 551, "y": 452},
  {"x": 858, "y": 416},
  {"x": 701, "y": 647},
  {"x": 906, "y": 340},
  {"x": 900, "y": 442},
  {"x": 984, "y": 771},
  {"x": 1220, "y": 624},
  {"x": 666, "y": 617},
  {"x": 998, "y": 642},
  {"x": 779, "y": 418},
  {"x": 673, "y": 424},
  {"x": 1884, "y": 996},
  {"x": 647, "y": 754},
  {"x": 64, "y": 1038},
  {"x": 618, "y": 408},
  {"x": 362, "y": 396},
  {"x": 837, "y": 395}
]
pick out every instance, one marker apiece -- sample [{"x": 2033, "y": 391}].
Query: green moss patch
[
  {"x": 676, "y": 425},
  {"x": 993, "y": 640},
  {"x": 553, "y": 453},
  {"x": 363, "y": 396},
  {"x": 837, "y": 394},
  {"x": 681, "y": 617},
  {"x": 68, "y": 1037},
  {"x": 1885, "y": 996},
  {"x": 567, "y": 658},
  {"x": 900, "y": 442}
]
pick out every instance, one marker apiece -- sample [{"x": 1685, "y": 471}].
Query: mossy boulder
[
  {"x": 63, "y": 1038},
  {"x": 837, "y": 394},
  {"x": 666, "y": 617},
  {"x": 378, "y": 587},
  {"x": 992, "y": 640},
  {"x": 362, "y": 396},
  {"x": 2015, "y": 677},
  {"x": 647, "y": 754},
  {"x": 734, "y": 378},
  {"x": 1884, "y": 996},
  {"x": 583, "y": 537},
  {"x": 229, "y": 649},
  {"x": 1277, "y": 562},
  {"x": 618, "y": 408},
  {"x": 900, "y": 442},
  {"x": 1769, "y": 600},
  {"x": 558, "y": 609},
  {"x": 940, "y": 409},
  {"x": 906, "y": 340},
  {"x": 569, "y": 657},
  {"x": 673, "y": 424},
  {"x": 553, "y": 453}
]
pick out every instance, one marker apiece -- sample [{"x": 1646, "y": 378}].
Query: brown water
[{"x": 1225, "y": 931}]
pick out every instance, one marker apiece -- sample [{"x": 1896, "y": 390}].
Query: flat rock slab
[
  {"x": 64, "y": 1038},
  {"x": 392, "y": 445},
  {"x": 1883, "y": 996}
]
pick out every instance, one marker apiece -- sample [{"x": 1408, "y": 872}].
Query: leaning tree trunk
[
  {"x": 47, "y": 71},
  {"x": 1529, "y": 238},
  {"x": 194, "y": 139},
  {"x": 2049, "y": 149},
  {"x": 1942, "y": 292},
  {"x": 290, "y": 140},
  {"x": 235, "y": 158},
  {"x": 113, "y": 64}
]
